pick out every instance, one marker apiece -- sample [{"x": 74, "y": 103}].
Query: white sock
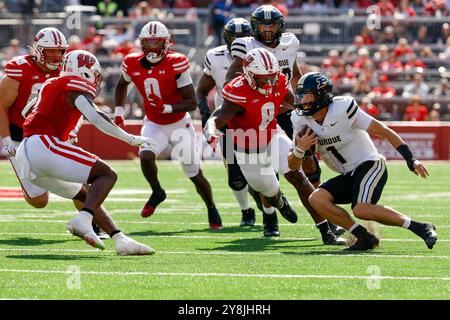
[
  {"x": 353, "y": 227},
  {"x": 117, "y": 236},
  {"x": 407, "y": 223},
  {"x": 86, "y": 215},
  {"x": 324, "y": 221},
  {"x": 242, "y": 198},
  {"x": 270, "y": 210}
]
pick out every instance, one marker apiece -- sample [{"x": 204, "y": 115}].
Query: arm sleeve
[
  {"x": 184, "y": 79},
  {"x": 238, "y": 48},
  {"x": 28, "y": 107},
  {"x": 91, "y": 114}
]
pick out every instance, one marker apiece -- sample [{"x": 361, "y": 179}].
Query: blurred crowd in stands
[{"x": 395, "y": 61}]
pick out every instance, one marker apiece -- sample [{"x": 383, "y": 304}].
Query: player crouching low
[{"x": 62, "y": 168}]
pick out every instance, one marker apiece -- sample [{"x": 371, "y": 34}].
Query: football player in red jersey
[
  {"x": 24, "y": 77},
  {"x": 59, "y": 167},
  {"x": 163, "y": 79},
  {"x": 251, "y": 103}
]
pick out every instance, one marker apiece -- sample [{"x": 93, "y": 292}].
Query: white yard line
[
  {"x": 234, "y": 275},
  {"x": 218, "y": 252}
]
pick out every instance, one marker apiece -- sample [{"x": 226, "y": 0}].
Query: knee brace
[{"x": 236, "y": 180}]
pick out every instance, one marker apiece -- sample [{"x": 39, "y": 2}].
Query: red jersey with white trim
[
  {"x": 160, "y": 79},
  {"x": 258, "y": 123},
  {"x": 31, "y": 78},
  {"x": 52, "y": 114}
]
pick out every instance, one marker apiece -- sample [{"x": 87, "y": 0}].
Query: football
[{"x": 313, "y": 148}]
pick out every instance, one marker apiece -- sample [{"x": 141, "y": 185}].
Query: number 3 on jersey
[
  {"x": 152, "y": 87},
  {"x": 267, "y": 115}
]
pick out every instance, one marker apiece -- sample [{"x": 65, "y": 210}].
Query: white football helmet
[
  {"x": 83, "y": 64},
  {"x": 154, "y": 38},
  {"x": 261, "y": 70},
  {"x": 49, "y": 38}
]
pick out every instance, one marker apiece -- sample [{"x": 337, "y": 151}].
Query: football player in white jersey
[
  {"x": 267, "y": 23},
  {"x": 341, "y": 130},
  {"x": 217, "y": 62}
]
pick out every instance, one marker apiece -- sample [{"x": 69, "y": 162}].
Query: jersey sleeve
[
  {"x": 124, "y": 70},
  {"x": 232, "y": 93},
  {"x": 81, "y": 86},
  {"x": 15, "y": 69},
  {"x": 207, "y": 64},
  {"x": 239, "y": 48},
  {"x": 180, "y": 64}
]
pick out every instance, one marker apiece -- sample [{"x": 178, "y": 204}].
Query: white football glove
[
  {"x": 8, "y": 148},
  {"x": 73, "y": 137},
  {"x": 139, "y": 141},
  {"x": 212, "y": 134}
]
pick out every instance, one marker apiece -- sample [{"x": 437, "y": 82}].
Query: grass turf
[{"x": 39, "y": 260}]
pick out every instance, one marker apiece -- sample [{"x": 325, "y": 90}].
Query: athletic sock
[
  {"x": 358, "y": 230},
  {"x": 242, "y": 198},
  {"x": 270, "y": 210},
  {"x": 323, "y": 226},
  {"x": 417, "y": 227},
  {"x": 406, "y": 223}
]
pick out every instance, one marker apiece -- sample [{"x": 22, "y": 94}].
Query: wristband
[
  {"x": 299, "y": 153},
  {"x": 6, "y": 140},
  {"x": 406, "y": 153},
  {"x": 118, "y": 111},
  {"x": 167, "y": 108}
]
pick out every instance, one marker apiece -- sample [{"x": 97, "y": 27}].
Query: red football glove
[
  {"x": 118, "y": 117},
  {"x": 156, "y": 102}
]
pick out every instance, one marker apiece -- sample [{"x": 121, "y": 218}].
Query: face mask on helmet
[
  {"x": 266, "y": 83},
  {"x": 52, "y": 58},
  {"x": 267, "y": 32},
  {"x": 155, "y": 48},
  {"x": 307, "y": 103}
]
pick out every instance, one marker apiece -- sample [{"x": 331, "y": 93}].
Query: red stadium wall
[{"x": 428, "y": 140}]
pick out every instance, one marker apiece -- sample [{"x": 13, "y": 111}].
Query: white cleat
[
  {"x": 125, "y": 246},
  {"x": 81, "y": 226}
]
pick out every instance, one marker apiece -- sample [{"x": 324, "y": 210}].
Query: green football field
[{"x": 39, "y": 260}]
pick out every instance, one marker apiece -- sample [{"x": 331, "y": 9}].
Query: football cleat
[
  {"x": 81, "y": 226},
  {"x": 367, "y": 242},
  {"x": 99, "y": 232},
  {"x": 337, "y": 230},
  {"x": 248, "y": 218},
  {"x": 215, "y": 222},
  {"x": 125, "y": 246},
  {"x": 270, "y": 222},
  {"x": 430, "y": 235},
  {"x": 155, "y": 199},
  {"x": 287, "y": 212},
  {"x": 329, "y": 238}
]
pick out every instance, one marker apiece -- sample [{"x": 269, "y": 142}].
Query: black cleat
[
  {"x": 215, "y": 222},
  {"x": 270, "y": 222},
  {"x": 287, "y": 212},
  {"x": 430, "y": 235},
  {"x": 368, "y": 242},
  {"x": 248, "y": 218},
  {"x": 337, "y": 230},
  {"x": 331, "y": 239},
  {"x": 155, "y": 199},
  {"x": 99, "y": 232}
]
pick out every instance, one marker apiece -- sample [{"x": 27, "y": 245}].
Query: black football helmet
[
  {"x": 236, "y": 28},
  {"x": 267, "y": 15},
  {"x": 320, "y": 86}
]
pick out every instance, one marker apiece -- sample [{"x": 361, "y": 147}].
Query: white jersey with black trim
[
  {"x": 285, "y": 52},
  {"x": 341, "y": 144},
  {"x": 217, "y": 62}
]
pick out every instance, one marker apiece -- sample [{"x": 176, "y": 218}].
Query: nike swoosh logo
[{"x": 332, "y": 124}]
